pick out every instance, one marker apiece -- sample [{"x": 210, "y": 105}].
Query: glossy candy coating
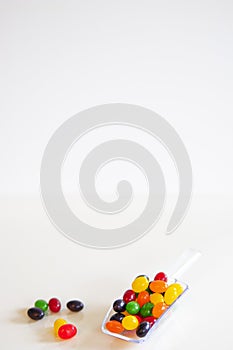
[
  {"x": 114, "y": 327},
  {"x": 57, "y": 324},
  {"x": 67, "y": 331},
  {"x": 119, "y": 305},
  {"x": 140, "y": 284},
  {"x": 35, "y": 313},
  {"x": 140, "y": 319},
  {"x": 75, "y": 305},
  {"x": 144, "y": 276},
  {"x": 150, "y": 319},
  {"x": 130, "y": 323},
  {"x": 129, "y": 295},
  {"x": 132, "y": 307},
  {"x": 42, "y": 304},
  {"x": 156, "y": 298},
  {"x": 117, "y": 317},
  {"x": 146, "y": 310},
  {"x": 54, "y": 305},
  {"x": 161, "y": 276},
  {"x": 143, "y": 329},
  {"x": 158, "y": 286},
  {"x": 159, "y": 309},
  {"x": 172, "y": 293},
  {"x": 143, "y": 298}
]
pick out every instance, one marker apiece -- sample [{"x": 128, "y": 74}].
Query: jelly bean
[
  {"x": 156, "y": 298},
  {"x": 139, "y": 318},
  {"x": 129, "y": 295},
  {"x": 146, "y": 309},
  {"x": 114, "y": 327},
  {"x": 161, "y": 276},
  {"x": 144, "y": 276},
  {"x": 54, "y": 305},
  {"x": 172, "y": 293},
  {"x": 158, "y": 286},
  {"x": 143, "y": 329},
  {"x": 130, "y": 323},
  {"x": 117, "y": 317},
  {"x": 150, "y": 319},
  {"x": 67, "y": 331},
  {"x": 125, "y": 313},
  {"x": 119, "y": 305},
  {"x": 140, "y": 284},
  {"x": 179, "y": 289},
  {"x": 143, "y": 298},
  {"x": 42, "y": 304},
  {"x": 159, "y": 309},
  {"x": 57, "y": 324},
  {"x": 132, "y": 307},
  {"x": 35, "y": 313},
  {"x": 75, "y": 305}
]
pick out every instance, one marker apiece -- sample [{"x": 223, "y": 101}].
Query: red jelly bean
[
  {"x": 129, "y": 296},
  {"x": 150, "y": 319},
  {"x": 139, "y": 318},
  {"x": 67, "y": 331},
  {"x": 54, "y": 305},
  {"x": 161, "y": 276}
]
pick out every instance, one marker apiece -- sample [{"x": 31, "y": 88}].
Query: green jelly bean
[{"x": 42, "y": 304}]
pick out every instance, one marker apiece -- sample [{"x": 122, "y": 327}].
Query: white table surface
[{"x": 38, "y": 262}]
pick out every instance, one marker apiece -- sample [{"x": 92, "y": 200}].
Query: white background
[{"x": 60, "y": 57}]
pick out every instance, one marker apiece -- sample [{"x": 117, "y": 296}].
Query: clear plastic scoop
[{"x": 184, "y": 261}]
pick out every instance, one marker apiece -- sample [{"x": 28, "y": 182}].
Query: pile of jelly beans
[
  {"x": 62, "y": 329},
  {"x": 142, "y": 305}
]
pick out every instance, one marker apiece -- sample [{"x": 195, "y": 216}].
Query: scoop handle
[{"x": 183, "y": 263}]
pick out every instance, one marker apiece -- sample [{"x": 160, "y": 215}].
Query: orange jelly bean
[
  {"x": 158, "y": 286},
  {"x": 143, "y": 298},
  {"x": 159, "y": 309},
  {"x": 114, "y": 327}
]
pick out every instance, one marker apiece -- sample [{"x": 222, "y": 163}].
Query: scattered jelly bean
[
  {"x": 156, "y": 298},
  {"x": 146, "y": 310},
  {"x": 117, "y": 317},
  {"x": 54, "y": 305},
  {"x": 143, "y": 298},
  {"x": 143, "y": 329},
  {"x": 132, "y": 307},
  {"x": 129, "y": 295},
  {"x": 35, "y": 313},
  {"x": 57, "y": 324},
  {"x": 150, "y": 319},
  {"x": 158, "y": 286},
  {"x": 140, "y": 284},
  {"x": 172, "y": 293},
  {"x": 67, "y": 331},
  {"x": 42, "y": 304},
  {"x": 75, "y": 305},
  {"x": 114, "y": 327},
  {"x": 130, "y": 323},
  {"x": 159, "y": 309},
  {"x": 119, "y": 305},
  {"x": 161, "y": 276}
]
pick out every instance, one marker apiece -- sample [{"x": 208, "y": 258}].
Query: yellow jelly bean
[
  {"x": 156, "y": 298},
  {"x": 140, "y": 284},
  {"x": 172, "y": 293},
  {"x": 57, "y": 324},
  {"x": 130, "y": 322}
]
